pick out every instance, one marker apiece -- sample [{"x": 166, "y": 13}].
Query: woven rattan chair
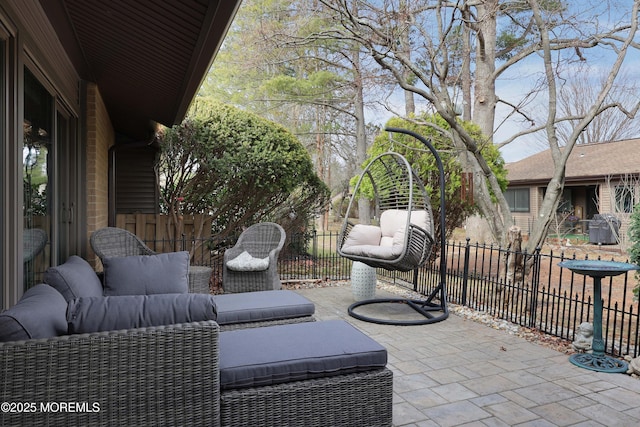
[
  {"x": 260, "y": 241},
  {"x": 34, "y": 241},
  {"x": 116, "y": 242}
]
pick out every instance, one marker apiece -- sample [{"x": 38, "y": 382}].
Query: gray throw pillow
[
  {"x": 96, "y": 314},
  {"x": 246, "y": 262},
  {"x": 74, "y": 279},
  {"x": 147, "y": 274},
  {"x": 40, "y": 313}
]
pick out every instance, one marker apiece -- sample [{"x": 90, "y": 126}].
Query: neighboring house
[
  {"x": 83, "y": 85},
  {"x": 601, "y": 178}
]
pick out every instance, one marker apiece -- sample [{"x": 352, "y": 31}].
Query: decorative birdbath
[{"x": 597, "y": 269}]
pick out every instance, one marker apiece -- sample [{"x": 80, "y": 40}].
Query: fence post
[
  {"x": 465, "y": 272},
  {"x": 415, "y": 280},
  {"x": 535, "y": 284},
  {"x": 315, "y": 253}
]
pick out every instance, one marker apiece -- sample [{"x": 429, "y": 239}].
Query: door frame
[{"x": 69, "y": 185}]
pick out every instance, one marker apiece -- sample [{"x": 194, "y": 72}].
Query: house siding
[
  {"x": 606, "y": 200},
  {"x": 522, "y": 219},
  {"x": 135, "y": 180},
  {"x": 100, "y": 137}
]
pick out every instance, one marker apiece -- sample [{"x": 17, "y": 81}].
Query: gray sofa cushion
[
  {"x": 96, "y": 314},
  {"x": 261, "y": 306},
  {"x": 40, "y": 313},
  {"x": 278, "y": 354},
  {"x": 147, "y": 274},
  {"x": 74, "y": 279}
]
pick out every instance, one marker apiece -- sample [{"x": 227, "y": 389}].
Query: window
[
  {"x": 624, "y": 199},
  {"x": 518, "y": 199}
]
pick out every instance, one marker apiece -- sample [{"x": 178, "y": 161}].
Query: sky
[{"x": 517, "y": 82}]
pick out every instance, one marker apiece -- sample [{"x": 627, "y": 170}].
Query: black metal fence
[{"x": 549, "y": 298}]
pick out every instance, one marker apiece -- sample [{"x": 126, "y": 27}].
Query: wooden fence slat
[{"x": 152, "y": 227}]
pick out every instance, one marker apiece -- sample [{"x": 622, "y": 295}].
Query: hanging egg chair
[
  {"x": 403, "y": 234},
  {"x": 401, "y": 237}
]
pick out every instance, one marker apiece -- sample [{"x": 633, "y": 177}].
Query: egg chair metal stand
[{"x": 434, "y": 308}]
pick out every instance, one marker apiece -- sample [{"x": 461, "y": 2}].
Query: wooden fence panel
[{"x": 153, "y": 229}]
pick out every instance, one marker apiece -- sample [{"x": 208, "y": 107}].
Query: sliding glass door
[
  {"x": 51, "y": 175},
  {"x": 37, "y": 160}
]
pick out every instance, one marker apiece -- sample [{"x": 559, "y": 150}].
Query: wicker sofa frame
[
  {"x": 169, "y": 376},
  {"x": 260, "y": 324}
]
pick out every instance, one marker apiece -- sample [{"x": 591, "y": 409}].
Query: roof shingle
[{"x": 587, "y": 161}]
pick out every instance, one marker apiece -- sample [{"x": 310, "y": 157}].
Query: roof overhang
[
  {"x": 577, "y": 180},
  {"x": 587, "y": 164},
  {"x": 147, "y": 57}
]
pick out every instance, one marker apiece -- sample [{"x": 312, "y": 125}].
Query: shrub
[
  {"x": 238, "y": 168},
  {"x": 634, "y": 239}
]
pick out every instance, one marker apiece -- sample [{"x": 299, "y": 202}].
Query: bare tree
[
  {"x": 625, "y": 38},
  {"x": 543, "y": 33},
  {"x": 624, "y": 191},
  {"x": 613, "y": 124}
]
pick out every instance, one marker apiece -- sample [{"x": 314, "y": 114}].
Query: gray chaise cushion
[
  {"x": 74, "y": 279},
  {"x": 166, "y": 273},
  {"x": 40, "y": 313},
  {"x": 261, "y": 306},
  {"x": 96, "y": 314},
  {"x": 278, "y": 354}
]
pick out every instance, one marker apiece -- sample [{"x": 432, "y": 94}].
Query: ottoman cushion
[
  {"x": 261, "y": 306},
  {"x": 279, "y": 354}
]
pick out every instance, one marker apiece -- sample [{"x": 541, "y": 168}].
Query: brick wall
[{"x": 100, "y": 137}]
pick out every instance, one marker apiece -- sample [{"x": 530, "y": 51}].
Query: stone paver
[
  {"x": 511, "y": 413},
  {"x": 457, "y": 413},
  {"x": 559, "y": 415},
  {"x": 461, "y": 373}
]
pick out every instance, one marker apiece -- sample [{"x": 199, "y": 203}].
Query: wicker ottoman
[{"x": 308, "y": 374}]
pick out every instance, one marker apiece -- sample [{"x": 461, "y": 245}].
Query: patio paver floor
[{"x": 461, "y": 373}]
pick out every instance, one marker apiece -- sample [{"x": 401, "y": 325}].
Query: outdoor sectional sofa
[{"x": 185, "y": 373}]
